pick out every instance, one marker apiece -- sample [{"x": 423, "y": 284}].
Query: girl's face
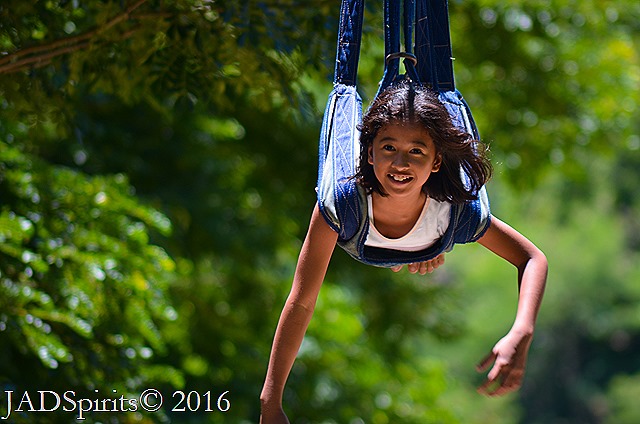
[{"x": 403, "y": 157}]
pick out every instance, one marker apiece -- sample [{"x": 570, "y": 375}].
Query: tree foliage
[
  {"x": 157, "y": 165},
  {"x": 545, "y": 95},
  {"x": 83, "y": 291}
]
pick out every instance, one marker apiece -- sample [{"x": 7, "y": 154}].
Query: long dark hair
[{"x": 461, "y": 153}]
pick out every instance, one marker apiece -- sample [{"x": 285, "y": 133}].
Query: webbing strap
[
  {"x": 339, "y": 145},
  {"x": 339, "y": 197},
  {"x": 391, "y": 42},
  {"x": 432, "y": 42},
  {"x": 409, "y": 16},
  {"x": 433, "y": 45},
  {"x": 349, "y": 40},
  {"x": 392, "y": 23}
]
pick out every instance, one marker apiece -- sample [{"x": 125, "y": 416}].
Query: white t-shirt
[{"x": 430, "y": 226}]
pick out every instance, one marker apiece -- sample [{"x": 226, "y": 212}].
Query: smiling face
[
  {"x": 403, "y": 157},
  {"x": 458, "y": 152}
]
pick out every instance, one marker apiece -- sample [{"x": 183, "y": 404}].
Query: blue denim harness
[{"x": 340, "y": 199}]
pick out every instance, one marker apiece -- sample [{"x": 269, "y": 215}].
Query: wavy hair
[{"x": 461, "y": 153}]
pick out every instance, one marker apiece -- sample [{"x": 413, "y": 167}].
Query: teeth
[{"x": 399, "y": 178}]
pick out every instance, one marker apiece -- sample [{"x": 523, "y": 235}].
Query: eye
[
  {"x": 416, "y": 151},
  {"x": 388, "y": 147}
]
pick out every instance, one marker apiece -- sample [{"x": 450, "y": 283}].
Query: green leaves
[
  {"x": 542, "y": 91},
  {"x": 157, "y": 165},
  {"x": 77, "y": 271}
]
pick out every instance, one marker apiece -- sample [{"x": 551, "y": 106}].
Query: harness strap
[
  {"x": 393, "y": 52},
  {"x": 339, "y": 147},
  {"x": 433, "y": 45},
  {"x": 349, "y": 40},
  {"x": 391, "y": 42},
  {"x": 409, "y": 16},
  {"x": 432, "y": 42}
]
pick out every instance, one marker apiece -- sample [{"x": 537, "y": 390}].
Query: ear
[
  {"x": 370, "y": 155},
  {"x": 437, "y": 162}
]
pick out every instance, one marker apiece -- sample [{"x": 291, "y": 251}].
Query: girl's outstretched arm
[
  {"x": 509, "y": 355},
  {"x": 310, "y": 271}
]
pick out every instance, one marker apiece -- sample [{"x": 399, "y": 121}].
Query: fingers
[
  {"x": 503, "y": 377},
  {"x": 418, "y": 267},
  {"x": 428, "y": 267},
  {"x": 503, "y": 381},
  {"x": 486, "y": 361},
  {"x": 423, "y": 267},
  {"x": 431, "y": 265}
]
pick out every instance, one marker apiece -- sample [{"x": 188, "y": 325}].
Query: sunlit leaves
[
  {"x": 541, "y": 89},
  {"x": 623, "y": 400},
  {"x": 184, "y": 50},
  {"x": 202, "y": 107},
  {"x": 336, "y": 357},
  {"x": 77, "y": 270}
]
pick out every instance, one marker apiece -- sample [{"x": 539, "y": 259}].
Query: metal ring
[{"x": 403, "y": 55}]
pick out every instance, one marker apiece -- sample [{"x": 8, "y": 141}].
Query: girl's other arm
[
  {"x": 310, "y": 271},
  {"x": 509, "y": 355}
]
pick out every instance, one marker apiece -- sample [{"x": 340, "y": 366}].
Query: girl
[{"x": 420, "y": 190}]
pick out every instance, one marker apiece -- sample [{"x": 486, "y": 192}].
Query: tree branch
[
  {"x": 41, "y": 55},
  {"x": 41, "y": 59}
]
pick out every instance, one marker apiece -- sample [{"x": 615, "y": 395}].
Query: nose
[{"x": 401, "y": 161}]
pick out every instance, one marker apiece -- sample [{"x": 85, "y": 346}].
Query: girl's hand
[
  {"x": 423, "y": 267},
  {"x": 509, "y": 357},
  {"x": 274, "y": 416}
]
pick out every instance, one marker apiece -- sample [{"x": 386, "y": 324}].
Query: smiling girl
[{"x": 420, "y": 191}]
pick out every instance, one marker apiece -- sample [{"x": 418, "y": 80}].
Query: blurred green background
[{"x": 157, "y": 172}]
